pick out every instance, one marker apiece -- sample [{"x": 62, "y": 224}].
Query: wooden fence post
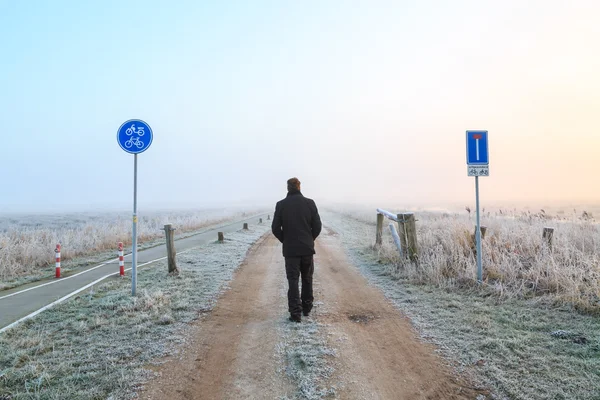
[
  {"x": 408, "y": 235},
  {"x": 220, "y": 237},
  {"x": 548, "y": 236},
  {"x": 245, "y": 226},
  {"x": 260, "y": 220},
  {"x": 171, "y": 249},
  {"x": 379, "y": 233}
]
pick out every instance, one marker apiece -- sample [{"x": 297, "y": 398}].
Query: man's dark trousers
[{"x": 296, "y": 267}]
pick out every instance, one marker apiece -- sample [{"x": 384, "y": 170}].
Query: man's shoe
[
  {"x": 306, "y": 313},
  {"x": 295, "y": 319}
]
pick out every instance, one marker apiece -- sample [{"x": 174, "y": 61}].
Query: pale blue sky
[{"x": 362, "y": 100}]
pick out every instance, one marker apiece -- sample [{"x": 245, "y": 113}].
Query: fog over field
[{"x": 366, "y": 102}]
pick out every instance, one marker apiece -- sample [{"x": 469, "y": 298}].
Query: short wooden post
[
  {"x": 268, "y": 217},
  {"x": 548, "y": 236},
  {"x": 245, "y": 225},
  {"x": 379, "y": 233},
  {"x": 220, "y": 236},
  {"x": 408, "y": 235},
  {"x": 402, "y": 233},
  {"x": 171, "y": 249},
  {"x": 260, "y": 220}
]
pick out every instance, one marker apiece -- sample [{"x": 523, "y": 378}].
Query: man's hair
[{"x": 293, "y": 184}]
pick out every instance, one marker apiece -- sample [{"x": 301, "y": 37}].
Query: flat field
[{"x": 27, "y": 241}]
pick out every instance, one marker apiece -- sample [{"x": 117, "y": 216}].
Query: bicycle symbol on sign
[{"x": 134, "y": 140}]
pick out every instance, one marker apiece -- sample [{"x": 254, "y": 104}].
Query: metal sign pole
[
  {"x": 478, "y": 233},
  {"x": 478, "y": 164},
  {"x": 134, "y": 241},
  {"x": 134, "y": 136}
]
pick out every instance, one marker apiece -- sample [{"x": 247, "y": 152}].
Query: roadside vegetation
[
  {"x": 96, "y": 345},
  {"x": 27, "y": 242},
  {"x": 531, "y": 332},
  {"x": 517, "y": 261}
]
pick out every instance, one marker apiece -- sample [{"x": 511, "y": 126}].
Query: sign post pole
[
  {"x": 134, "y": 137},
  {"x": 478, "y": 165},
  {"x": 478, "y": 233},
  {"x": 134, "y": 230}
]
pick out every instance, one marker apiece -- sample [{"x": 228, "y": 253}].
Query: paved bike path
[{"x": 16, "y": 303}]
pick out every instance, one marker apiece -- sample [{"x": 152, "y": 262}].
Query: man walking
[{"x": 297, "y": 224}]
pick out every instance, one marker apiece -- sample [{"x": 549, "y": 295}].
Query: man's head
[{"x": 293, "y": 184}]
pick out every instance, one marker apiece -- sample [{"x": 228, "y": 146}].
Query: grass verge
[
  {"x": 306, "y": 356},
  {"x": 518, "y": 261},
  {"x": 95, "y": 346}
]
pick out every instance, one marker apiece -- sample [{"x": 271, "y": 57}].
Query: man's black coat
[{"x": 296, "y": 224}]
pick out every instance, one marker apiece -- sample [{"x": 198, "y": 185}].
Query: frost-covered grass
[
  {"x": 517, "y": 262},
  {"x": 522, "y": 347},
  {"x": 96, "y": 345},
  {"x": 27, "y": 242},
  {"x": 307, "y": 357}
]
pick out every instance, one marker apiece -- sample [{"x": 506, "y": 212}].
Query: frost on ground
[
  {"x": 306, "y": 356},
  {"x": 519, "y": 262},
  {"x": 96, "y": 345},
  {"x": 27, "y": 242},
  {"x": 510, "y": 345}
]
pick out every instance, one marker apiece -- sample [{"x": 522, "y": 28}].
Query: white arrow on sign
[{"x": 477, "y": 137}]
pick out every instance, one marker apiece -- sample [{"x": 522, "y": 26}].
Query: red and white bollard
[
  {"x": 121, "y": 261},
  {"x": 57, "y": 253}
]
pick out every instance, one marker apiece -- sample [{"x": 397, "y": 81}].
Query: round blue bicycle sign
[{"x": 134, "y": 136}]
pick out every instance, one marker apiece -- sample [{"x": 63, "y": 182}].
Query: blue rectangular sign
[{"x": 477, "y": 148}]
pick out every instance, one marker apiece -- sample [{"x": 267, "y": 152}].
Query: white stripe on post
[
  {"x": 121, "y": 260},
  {"x": 57, "y": 254}
]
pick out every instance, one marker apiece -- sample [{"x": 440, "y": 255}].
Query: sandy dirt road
[{"x": 232, "y": 351}]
